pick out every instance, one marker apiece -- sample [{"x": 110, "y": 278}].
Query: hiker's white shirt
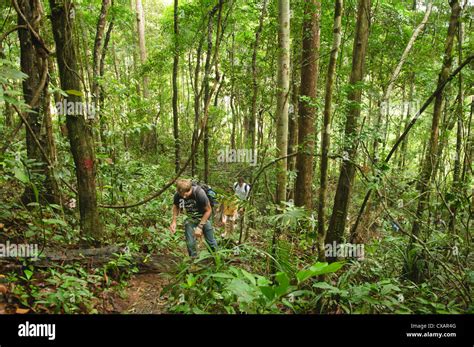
[{"x": 241, "y": 191}]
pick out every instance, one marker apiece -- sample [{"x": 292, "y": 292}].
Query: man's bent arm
[{"x": 206, "y": 215}]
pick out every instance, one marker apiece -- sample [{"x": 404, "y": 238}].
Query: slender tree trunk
[
  {"x": 457, "y": 183},
  {"x": 207, "y": 70},
  {"x": 384, "y": 102},
  {"x": 177, "y": 144},
  {"x": 197, "y": 105},
  {"x": 326, "y": 131},
  {"x": 102, "y": 124},
  {"x": 432, "y": 150},
  {"x": 343, "y": 192},
  {"x": 232, "y": 94},
  {"x": 141, "y": 42},
  {"x": 293, "y": 126},
  {"x": 403, "y": 150},
  {"x": 207, "y": 91},
  {"x": 307, "y": 108},
  {"x": 282, "y": 95},
  {"x": 34, "y": 63},
  {"x": 101, "y": 22},
  {"x": 80, "y": 133},
  {"x": 253, "y": 115}
]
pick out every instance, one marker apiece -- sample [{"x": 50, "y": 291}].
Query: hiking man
[
  {"x": 193, "y": 200},
  {"x": 241, "y": 189}
]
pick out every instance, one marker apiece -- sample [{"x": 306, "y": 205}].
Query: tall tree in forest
[
  {"x": 283, "y": 86},
  {"x": 141, "y": 41},
  {"x": 343, "y": 192},
  {"x": 79, "y": 132},
  {"x": 197, "y": 104},
  {"x": 212, "y": 58},
  {"x": 457, "y": 183},
  {"x": 384, "y": 101},
  {"x": 326, "y": 130},
  {"x": 175, "y": 88},
  {"x": 253, "y": 115},
  {"x": 307, "y": 104},
  {"x": 34, "y": 63},
  {"x": 97, "y": 58},
  {"x": 430, "y": 161},
  {"x": 207, "y": 90}
]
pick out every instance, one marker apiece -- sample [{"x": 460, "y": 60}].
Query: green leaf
[
  {"x": 324, "y": 285},
  {"x": 317, "y": 270},
  {"x": 268, "y": 291},
  {"x": 283, "y": 283},
  {"x": 21, "y": 175},
  {"x": 28, "y": 274},
  {"x": 222, "y": 275},
  {"x": 74, "y": 92},
  {"x": 250, "y": 277},
  {"x": 241, "y": 289},
  {"x": 54, "y": 221}
]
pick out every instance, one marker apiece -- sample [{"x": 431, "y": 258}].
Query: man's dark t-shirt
[{"x": 195, "y": 205}]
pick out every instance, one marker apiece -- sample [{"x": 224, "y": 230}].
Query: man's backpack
[{"x": 211, "y": 194}]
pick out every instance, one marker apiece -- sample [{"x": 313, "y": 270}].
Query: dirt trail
[{"x": 143, "y": 295}]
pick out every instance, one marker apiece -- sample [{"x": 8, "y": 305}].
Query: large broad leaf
[
  {"x": 268, "y": 291},
  {"x": 21, "y": 175},
  {"x": 317, "y": 270},
  {"x": 283, "y": 283},
  {"x": 242, "y": 290},
  {"x": 250, "y": 277}
]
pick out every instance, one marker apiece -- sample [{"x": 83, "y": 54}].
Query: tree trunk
[
  {"x": 177, "y": 144},
  {"x": 141, "y": 42},
  {"x": 253, "y": 114},
  {"x": 102, "y": 125},
  {"x": 457, "y": 183},
  {"x": 207, "y": 70},
  {"x": 98, "y": 50},
  {"x": 80, "y": 133},
  {"x": 326, "y": 130},
  {"x": 341, "y": 200},
  {"x": 307, "y": 107},
  {"x": 383, "y": 106},
  {"x": 197, "y": 105},
  {"x": 283, "y": 82},
  {"x": 403, "y": 150},
  {"x": 432, "y": 150},
  {"x": 34, "y": 63},
  {"x": 293, "y": 126},
  {"x": 232, "y": 94}
]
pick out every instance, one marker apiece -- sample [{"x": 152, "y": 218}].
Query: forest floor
[{"x": 143, "y": 295}]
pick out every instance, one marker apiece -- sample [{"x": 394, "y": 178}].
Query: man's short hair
[{"x": 183, "y": 185}]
